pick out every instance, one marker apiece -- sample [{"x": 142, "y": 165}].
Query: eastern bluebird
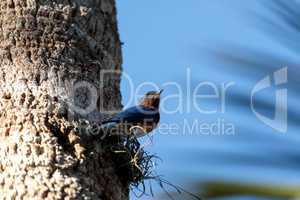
[{"x": 135, "y": 121}]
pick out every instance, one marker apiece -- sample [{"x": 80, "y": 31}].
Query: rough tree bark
[{"x": 52, "y": 56}]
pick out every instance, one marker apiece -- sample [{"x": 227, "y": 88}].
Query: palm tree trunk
[{"x": 60, "y": 61}]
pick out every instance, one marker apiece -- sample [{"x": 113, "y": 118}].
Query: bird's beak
[{"x": 161, "y": 91}]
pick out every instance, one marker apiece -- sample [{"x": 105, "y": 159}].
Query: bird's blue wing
[{"x": 137, "y": 114}]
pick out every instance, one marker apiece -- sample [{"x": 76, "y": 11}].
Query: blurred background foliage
[{"x": 284, "y": 29}]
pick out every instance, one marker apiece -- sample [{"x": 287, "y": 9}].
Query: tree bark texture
[{"x": 53, "y": 54}]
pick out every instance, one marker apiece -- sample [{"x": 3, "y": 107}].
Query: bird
[{"x": 136, "y": 121}]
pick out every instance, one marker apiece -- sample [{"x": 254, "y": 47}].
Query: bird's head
[{"x": 152, "y": 99}]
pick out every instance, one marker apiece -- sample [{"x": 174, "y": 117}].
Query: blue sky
[{"x": 162, "y": 39}]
